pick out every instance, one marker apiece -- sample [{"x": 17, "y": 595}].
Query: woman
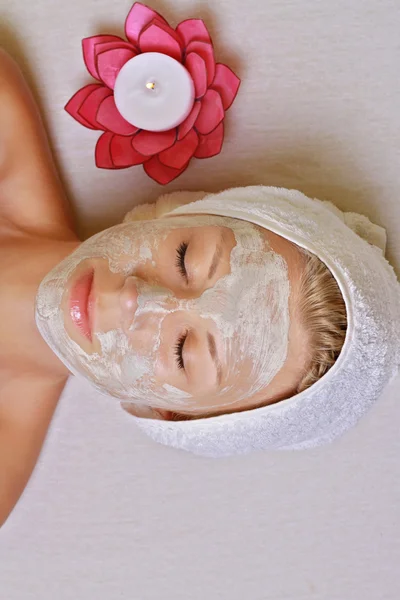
[{"x": 254, "y": 318}]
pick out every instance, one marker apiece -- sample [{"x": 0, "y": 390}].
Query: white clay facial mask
[{"x": 174, "y": 313}]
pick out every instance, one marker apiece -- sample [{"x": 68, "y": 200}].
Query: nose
[{"x": 128, "y": 300}]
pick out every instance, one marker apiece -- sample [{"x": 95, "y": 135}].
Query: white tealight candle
[{"x": 154, "y": 92}]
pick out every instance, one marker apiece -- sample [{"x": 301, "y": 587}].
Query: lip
[{"x": 81, "y": 304}]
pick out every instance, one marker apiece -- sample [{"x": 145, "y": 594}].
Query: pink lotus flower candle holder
[{"x": 160, "y": 99}]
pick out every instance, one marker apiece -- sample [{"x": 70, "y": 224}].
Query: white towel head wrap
[{"x": 370, "y": 356}]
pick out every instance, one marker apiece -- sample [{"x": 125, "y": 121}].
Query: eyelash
[
  {"x": 179, "y": 349},
  {"x": 180, "y": 259}
]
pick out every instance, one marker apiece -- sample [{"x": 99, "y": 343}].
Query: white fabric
[
  {"x": 361, "y": 225},
  {"x": 370, "y": 357}
]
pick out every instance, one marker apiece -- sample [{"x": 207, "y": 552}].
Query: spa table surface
[{"x": 108, "y": 514}]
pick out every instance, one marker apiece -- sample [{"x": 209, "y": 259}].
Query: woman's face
[{"x": 189, "y": 314}]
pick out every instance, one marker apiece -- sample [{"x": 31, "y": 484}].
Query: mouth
[{"x": 81, "y": 304}]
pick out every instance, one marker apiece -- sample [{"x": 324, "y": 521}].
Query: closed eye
[
  {"x": 180, "y": 260},
  {"x": 179, "y": 350}
]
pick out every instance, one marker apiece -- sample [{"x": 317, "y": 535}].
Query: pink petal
[
  {"x": 88, "y": 46},
  {"x": 138, "y": 18},
  {"x": 158, "y": 37},
  {"x": 160, "y": 173},
  {"x": 111, "y": 62},
  {"x": 150, "y": 143},
  {"x": 181, "y": 152},
  {"x": 226, "y": 83},
  {"x": 123, "y": 154},
  {"x": 206, "y": 52},
  {"x": 211, "y": 113},
  {"x": 111, "y": 119},
  {"x": 211, "y": 144},
  {"x": 73, "y": 105},
  {"x": 189, "y": 122},
  {"x": 104, "y": 47},
  {"x": 102, "y": 152},
  {"x": 197, "y": 69},
  {"x": 90, "y": 106},
  {"x": 193, "y": 29}
]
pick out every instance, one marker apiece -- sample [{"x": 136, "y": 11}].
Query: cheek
[{"x": 147, "y": 272}]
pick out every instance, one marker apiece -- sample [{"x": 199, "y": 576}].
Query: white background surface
[{"x": 108, "y": 514}]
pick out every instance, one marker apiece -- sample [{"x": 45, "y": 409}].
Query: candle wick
[{"x": 150, "y": 85}]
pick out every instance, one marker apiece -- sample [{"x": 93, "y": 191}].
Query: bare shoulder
[
  {"x": 27, "y": 405},
  {"x": 31, "y": 195},
  {"x": 17, "y": 392}
]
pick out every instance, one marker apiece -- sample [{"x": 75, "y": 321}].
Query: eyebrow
[
  {"x": 215, "y": 261},
  {"x": 214, "y": 355}
]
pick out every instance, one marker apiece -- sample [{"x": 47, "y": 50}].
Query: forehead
[
  {"x": 177, "y": 222},
  {"x": 174, "y": 222},
  {"x": 201, "y": 220}
]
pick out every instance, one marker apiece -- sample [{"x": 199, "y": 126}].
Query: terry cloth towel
[{"x": 370, "y": 356}]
